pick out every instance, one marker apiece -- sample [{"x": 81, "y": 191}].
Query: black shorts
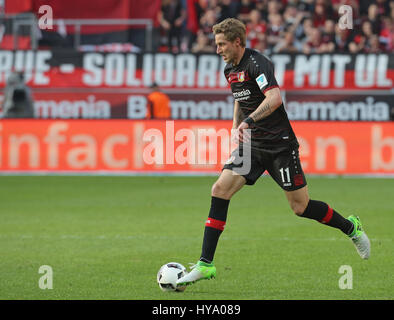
[{"x": 283, "y": 164}]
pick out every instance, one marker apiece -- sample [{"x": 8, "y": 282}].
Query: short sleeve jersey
[{"x": 249, "y": 80}]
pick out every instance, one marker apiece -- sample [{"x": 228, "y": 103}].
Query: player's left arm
[
  {"x": 271, "y": 102},
  {"x": 263, "y": 73}
]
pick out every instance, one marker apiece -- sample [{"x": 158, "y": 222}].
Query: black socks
[
  {"x": 323, "y": 213},
  {"x": 214, "y": 227}
]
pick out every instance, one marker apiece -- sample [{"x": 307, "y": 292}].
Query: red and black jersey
[{"x": 249, "y": 80}]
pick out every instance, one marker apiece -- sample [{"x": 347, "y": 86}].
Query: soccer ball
[{"x": 169, "y": 274}]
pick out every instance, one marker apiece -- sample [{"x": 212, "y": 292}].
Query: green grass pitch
[{"x": 105, "y": 237}]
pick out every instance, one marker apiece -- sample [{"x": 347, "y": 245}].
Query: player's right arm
[
  {"x": 237, "y": 120},
  {"x": 238, "y": 117}
]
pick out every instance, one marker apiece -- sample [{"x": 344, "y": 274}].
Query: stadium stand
[{"x": 304, "y": 26}]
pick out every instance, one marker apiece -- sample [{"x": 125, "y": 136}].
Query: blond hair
[{"x": 232, "y": 29}]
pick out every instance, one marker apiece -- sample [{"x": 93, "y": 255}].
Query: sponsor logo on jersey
[
  {"x": 242, "y": 95},
  {"x": 261, "y": 81}
]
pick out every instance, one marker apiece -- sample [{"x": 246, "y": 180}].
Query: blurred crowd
[{"x": 274, "y": 26}]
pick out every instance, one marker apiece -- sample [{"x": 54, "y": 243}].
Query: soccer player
[{"x": 260, "y": 119}]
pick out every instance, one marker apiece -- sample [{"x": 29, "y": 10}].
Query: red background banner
[{"x": 128, "y": 146}]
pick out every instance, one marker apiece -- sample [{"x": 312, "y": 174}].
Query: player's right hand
[
  {"x": 234, "y": 136},
  {"x": 243, "y": 132}
]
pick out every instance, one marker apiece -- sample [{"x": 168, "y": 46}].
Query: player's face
[{"x": 227, "y": 49}]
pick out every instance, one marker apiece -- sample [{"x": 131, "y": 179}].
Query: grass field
[{"x": 106, "y": 237}]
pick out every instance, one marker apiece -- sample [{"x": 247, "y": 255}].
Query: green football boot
[
  {"x": 359, "y": 238},
  {"x": 200, "y": 271}
]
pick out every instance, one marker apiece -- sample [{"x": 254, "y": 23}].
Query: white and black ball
[{"x": 169, "y": 274}]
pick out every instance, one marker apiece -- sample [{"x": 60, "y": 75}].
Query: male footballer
[{"x": 260, "y": 119}]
